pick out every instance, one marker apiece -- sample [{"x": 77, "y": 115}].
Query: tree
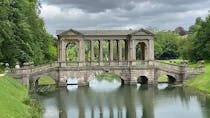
[
  {"x": 23, "y": 37},
  {"x": 198, "y": 43},
  {"x": 166, "y": 45}
]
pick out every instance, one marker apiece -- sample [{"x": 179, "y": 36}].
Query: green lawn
[
  {"x": 46, "y": 80},
  {"x": 201, "y": 82},
  {"x": 177, "y": 61},
  {"x": 14, "y": 100},
  {"x": 163, "y": 78},
  {"x": 107, "y": 76}
]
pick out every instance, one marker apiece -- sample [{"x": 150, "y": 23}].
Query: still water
[{"x": 104, "y": 99}]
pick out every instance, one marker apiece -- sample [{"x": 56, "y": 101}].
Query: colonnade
[{"x": 124, "y": 53}]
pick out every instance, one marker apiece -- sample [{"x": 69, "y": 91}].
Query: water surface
[{"x": 104, "y": 99}]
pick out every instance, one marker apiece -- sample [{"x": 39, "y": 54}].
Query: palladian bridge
[{"x": 126, "y": 53}]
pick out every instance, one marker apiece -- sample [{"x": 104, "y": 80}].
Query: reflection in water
[
  {"x": 110, "y": 100},
  {"x": 72, "y": 87}
]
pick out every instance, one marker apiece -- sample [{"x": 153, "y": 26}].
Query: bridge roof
[{"x": 103, "y": 32}]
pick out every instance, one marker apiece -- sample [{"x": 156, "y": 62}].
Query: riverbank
[
  {"x": 201, "y": 82},
  {"x": 15, "y": 102}
]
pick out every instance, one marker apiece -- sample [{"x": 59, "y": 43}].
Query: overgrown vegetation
[
  {"x": 23, "y": 37},
  {"x": 15, "y": 101}
]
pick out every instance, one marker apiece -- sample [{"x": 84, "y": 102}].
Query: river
[{"x": 105, "y": 99}]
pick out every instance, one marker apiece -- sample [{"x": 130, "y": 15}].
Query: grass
[
  {"x": 15, "y": 101},
  {"x": 1, "y": 69},
  {"x": 177, "y": 61},
  {"x": 46, "y": 81},
  {"x": 163, "y": 78},
  {"x": 108, "y": 77},
  {"x": 201, "y": 82}
]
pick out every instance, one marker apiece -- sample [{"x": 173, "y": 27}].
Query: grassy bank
[
  {"x": 46, "y": 81},
  {"x": 107, "y": 76},
  {"x": 15, "y": 101},
  {"x": 201, "y": 82}
]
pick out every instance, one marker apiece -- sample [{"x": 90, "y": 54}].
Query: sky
[{"x": 121, "y": 14}]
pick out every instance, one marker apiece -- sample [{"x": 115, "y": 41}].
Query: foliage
[
  {"x": 72, "y": 52},
  {"x": 15, "y": 101},
  {"x": 198, "y": 43},
  {"x": 201, "y": 82},
  {"x": 23, "y": 37},
  {"x": 166, "y": 45}
]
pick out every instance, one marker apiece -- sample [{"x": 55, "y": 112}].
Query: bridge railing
[
  {"x": 179, "y": 68},
  {"x": 31, "y": 69},
  {"x": 195, "y": 70},
  {"x": 169, "y": 67},
  {"x": 105, "y": 63}
]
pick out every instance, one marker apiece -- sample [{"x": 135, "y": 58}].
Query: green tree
[
  {"x": 198, "y": 42},
  {"x": 166, "y": 45},
  {"x": 23, "y": 37}
]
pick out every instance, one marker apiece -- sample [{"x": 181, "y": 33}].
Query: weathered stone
[{"x": 129, "y": 70}]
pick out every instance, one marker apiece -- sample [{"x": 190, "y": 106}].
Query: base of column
[
  {"x": 130, "y": 82},
  {"x": 80, "y": 84},
  {"x": 62, "y": 84}
]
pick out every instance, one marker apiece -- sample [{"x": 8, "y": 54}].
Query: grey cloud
[
  {"x": 102, "y": 5},
  {"x": 92, "y": 5},
  {"x": 125, "y": 13}
]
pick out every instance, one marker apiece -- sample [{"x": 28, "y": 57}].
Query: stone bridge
[
  {"x": 130, "y": 72},
  {"x": 126, "y": 53}
]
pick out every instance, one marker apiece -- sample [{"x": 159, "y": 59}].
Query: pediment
[
  {"x": 71, "y": 32},
  {"x": 142, "y": 32}
]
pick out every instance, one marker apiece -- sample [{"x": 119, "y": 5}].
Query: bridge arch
[
  {"x": 167, "y": 78},
  {"x": 143, "y": 80},
  {"x": 171, "y": 79},
  {"x": 116, "y": 73},
  {"x": 34, "y": 78}
]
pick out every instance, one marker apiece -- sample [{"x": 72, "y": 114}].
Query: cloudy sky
[{"x": 121, "y": 14}]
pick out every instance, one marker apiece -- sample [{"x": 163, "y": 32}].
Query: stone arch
[
  {"x": 142, "y": 80},
  {"x": 33, "y": 79},
  {"x": 171, "y": 77},
  {"x": 98, "y": 72},
  {"x": 72, "y": 51},
  {"x": 140, "y": 50}
]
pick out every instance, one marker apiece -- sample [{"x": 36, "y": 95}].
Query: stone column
[
  {"x": 110, "y": 50},
  {"x": 151, "y": 49},
  {"x": 100, "y": 50},
  {"x": 81, "y": 53},
  {"x": 59, "y": 49},
  {"x": 143, "y": 51},
  {"x": 119, "y": 51},
  {"x": 92, "y": 51},
  {"x": 126, "y": 50},
  {"x": 63, "y": 51}
]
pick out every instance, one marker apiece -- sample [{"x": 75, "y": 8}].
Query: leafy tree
[
  {"x": 23, "y": 37},
  {"x": 198, "y": 43},
  {"x": 166, "y": 45}
]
